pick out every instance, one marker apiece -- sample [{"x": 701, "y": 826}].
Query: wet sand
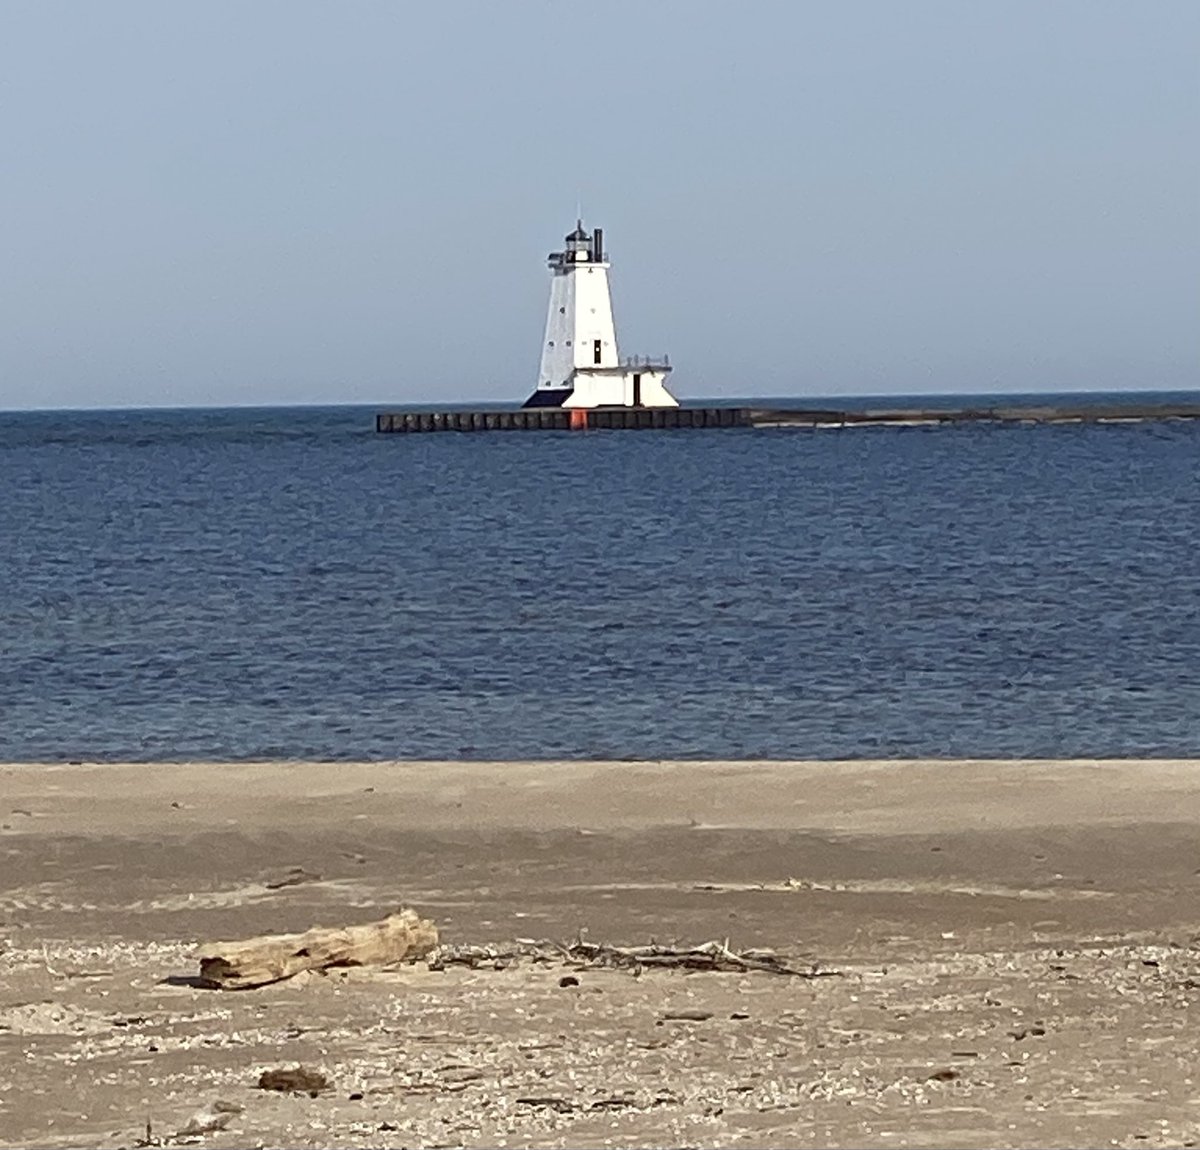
[{"x": 1016, "y": 947}]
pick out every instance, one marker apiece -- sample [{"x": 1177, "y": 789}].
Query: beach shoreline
[{"x": 1015, "y": 946}]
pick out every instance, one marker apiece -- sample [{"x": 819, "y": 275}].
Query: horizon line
[{"x": 686, "y": 401}]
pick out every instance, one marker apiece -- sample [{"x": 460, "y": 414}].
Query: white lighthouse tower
[{"x": 581, "y": 366}]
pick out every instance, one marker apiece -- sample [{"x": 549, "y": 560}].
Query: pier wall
[{"x": 662, "y": 418}]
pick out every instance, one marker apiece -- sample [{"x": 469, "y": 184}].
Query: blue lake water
[{"x": 285, "y": 583}]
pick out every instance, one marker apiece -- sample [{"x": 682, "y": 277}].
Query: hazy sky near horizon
[{"x": 296, "y": 202}]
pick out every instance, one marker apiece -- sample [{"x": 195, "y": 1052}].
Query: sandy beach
[{"x": 1013, "y": 948}]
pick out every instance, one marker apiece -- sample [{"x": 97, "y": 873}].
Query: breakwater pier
[{"x": 671, "y": 418}]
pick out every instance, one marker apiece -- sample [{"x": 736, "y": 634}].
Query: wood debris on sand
[
  {"x": 294, "y": 1080},
  {"x": 400, "y": 937},
  {"x": 582, "y": 953}
]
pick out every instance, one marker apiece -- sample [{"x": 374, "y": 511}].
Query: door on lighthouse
[{"x": 596, "y": 352}]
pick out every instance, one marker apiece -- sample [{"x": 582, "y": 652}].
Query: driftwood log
[{"x": 258, "y": 961}]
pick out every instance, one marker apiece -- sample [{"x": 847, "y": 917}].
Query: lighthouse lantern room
[{"x": 581, "y": 366}]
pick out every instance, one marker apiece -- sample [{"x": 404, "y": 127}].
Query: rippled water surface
[{"x": 231, "y": 584}]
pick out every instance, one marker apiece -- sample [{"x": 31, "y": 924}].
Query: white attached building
[{"x": 581, "y": 366}]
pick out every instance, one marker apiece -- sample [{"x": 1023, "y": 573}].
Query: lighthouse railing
[{"x": 647, "y": 362}]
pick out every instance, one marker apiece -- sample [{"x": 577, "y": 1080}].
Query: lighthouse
[{"x": 581, "y": 366}]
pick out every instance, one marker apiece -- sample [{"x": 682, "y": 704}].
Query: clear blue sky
[{"x": 289, "y": 201}]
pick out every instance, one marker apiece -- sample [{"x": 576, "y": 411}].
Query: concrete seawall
[{"x": 664, "y": 418}]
